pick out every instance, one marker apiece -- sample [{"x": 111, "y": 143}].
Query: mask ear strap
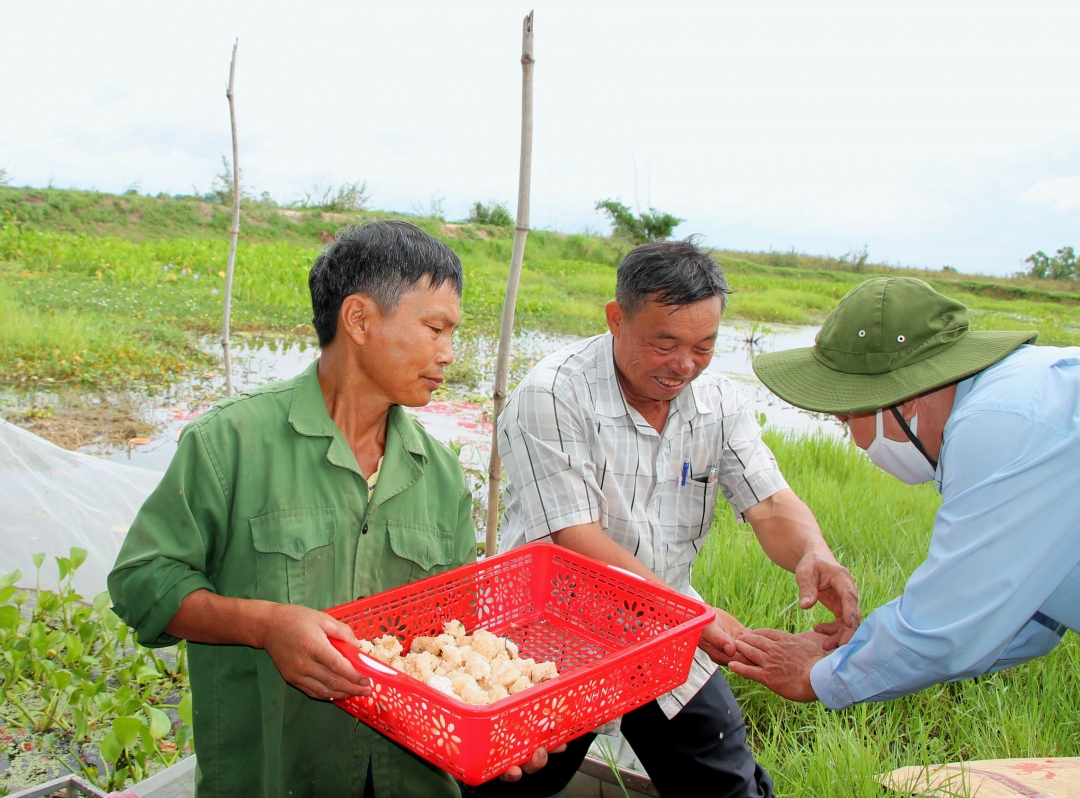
[{"x": 911, "y": 436}]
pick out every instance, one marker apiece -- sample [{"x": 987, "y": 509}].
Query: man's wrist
[{"x": 808, "y": 686}]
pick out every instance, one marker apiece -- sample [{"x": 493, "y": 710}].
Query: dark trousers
[{"x": 702, "y": 751}]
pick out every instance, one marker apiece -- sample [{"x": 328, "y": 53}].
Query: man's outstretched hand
[
  {"x": 718, "y": 638},
  {"x": 822, "y": 578},
  {"x": 779, "y": 660}
]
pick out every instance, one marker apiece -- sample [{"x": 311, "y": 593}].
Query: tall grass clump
[
  {"x": 880, "y": 529},
  {"x": 58, "y": 346}
]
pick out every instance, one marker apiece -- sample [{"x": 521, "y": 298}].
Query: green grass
[
  {"x": 45, "y": 343},
  {"x": 880, "y": 530}
]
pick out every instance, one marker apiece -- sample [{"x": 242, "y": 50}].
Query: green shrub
[{"x": 493, "y": 213}]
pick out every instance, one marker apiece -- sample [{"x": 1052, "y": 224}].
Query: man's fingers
[
  {"x": 319, "y": 690},
  {"x": 335, "y": 662},
  {"x": 831, "y": 628},
  {"x": 338, "y": 630},
  {"x": 749, "y": 652},
  {"x": 539, "y": 759},
  {"x": 808, "y": 591},
  {"x": 751, "y": 672},
  {"x": 512, "y": 775},
  {"x": 850, "y": 602},
  {"x": 769, "y": 634},
  {"x": 739, "y": 658},
  {"x": 342, "y": 687},
  {"x": 718, "y": 638}
]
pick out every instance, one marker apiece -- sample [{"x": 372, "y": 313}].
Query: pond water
[{"x": 452, "y": 419}]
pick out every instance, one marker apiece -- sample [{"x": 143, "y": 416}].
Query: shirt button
[{"x": 364, "y": 530}]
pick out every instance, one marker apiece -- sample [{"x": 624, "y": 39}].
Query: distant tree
[
  {"x": 1060, "y": 266},
  {"x": 4, "y": 179},
  {"x": 349, "y": 197},
  {"x": 640, "y": 229},
  {"x": 221, "y": 188},
  {"x": 855, "y": 259},
  {"x": 494, "y": 213}
]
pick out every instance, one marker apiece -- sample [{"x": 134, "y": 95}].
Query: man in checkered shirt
[{"x": 617, "y": 447}]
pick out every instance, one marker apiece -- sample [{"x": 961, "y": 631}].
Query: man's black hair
[
  {"x": 669, "y": 272},
  {"x": 381, "y": 259}
]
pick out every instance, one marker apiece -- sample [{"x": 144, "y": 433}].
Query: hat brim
[{"x": 800, "y": 379}]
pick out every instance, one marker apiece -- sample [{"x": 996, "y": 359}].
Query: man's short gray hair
[
  {"x": 380, "y": 259},
  {"x": 669, "y": 272}
]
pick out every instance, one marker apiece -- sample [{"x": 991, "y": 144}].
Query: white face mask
[{"x": 900, "y": 458}]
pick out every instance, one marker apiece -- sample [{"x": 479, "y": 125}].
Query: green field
[
  {"x": 100, "y": 292},
  {"x": 103, "y": 290}
]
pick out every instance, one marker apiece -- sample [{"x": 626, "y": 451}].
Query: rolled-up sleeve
[
  {"x": 545, "y": 449},
  {"x": 167, "y": 550},
  {"x": 748, "y": 472},
  {"x": 1004, "y": 538}
]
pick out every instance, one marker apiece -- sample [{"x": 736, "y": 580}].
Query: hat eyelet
[
  {"x": 862, "y": 333},
  {"x": 900, "y": 339}
]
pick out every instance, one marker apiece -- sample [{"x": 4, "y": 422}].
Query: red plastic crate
[{"x": 618, "y": 640}]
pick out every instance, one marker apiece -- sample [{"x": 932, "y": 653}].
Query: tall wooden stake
[
  {"x": 229, "y": 389},
  {"x": 521, "y": 232}
]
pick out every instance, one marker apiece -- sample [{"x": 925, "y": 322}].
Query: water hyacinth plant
[{"x": 78, "y": 692}]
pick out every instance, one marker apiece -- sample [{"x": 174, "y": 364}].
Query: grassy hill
[{"x": 104, "y": 289}]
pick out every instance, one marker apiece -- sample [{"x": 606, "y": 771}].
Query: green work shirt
[{"x": 264, "y": 500}]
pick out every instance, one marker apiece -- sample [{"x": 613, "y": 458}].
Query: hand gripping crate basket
[{"x": 618, "y": 640}]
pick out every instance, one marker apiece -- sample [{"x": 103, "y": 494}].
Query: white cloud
[{"x": 1063, "y": 192}]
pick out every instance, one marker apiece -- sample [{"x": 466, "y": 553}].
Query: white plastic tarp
[{"x": 52, "y": 499}]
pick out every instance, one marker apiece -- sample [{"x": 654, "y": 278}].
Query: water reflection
[
  {"x": 736, "y": 346},
  {"x": 458, "y": 418}
]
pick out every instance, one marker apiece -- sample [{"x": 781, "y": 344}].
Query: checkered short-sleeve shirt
[{"x": 575, "y": 452}]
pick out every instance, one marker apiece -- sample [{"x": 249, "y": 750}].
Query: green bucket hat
[{"x": 889, "y": 339}]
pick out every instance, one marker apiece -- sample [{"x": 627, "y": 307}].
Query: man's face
[
  {"x": 662, "y": 348},
  {"x": 405, "y": 354},
  {"x": 862, "y": 427}
]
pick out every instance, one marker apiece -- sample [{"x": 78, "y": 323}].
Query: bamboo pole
[
  {"x": 521, "y": 232},
  {"x": 229, "y": 388}
]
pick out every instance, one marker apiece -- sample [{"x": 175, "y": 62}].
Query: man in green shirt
[{"x": 298, "y": 496}]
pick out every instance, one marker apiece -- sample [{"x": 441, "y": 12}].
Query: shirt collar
[
  {"x": 610, "y": 400},
  {"x": 308, "y": 416}
]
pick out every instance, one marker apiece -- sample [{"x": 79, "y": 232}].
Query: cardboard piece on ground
[{"x": 990, "y": 778}]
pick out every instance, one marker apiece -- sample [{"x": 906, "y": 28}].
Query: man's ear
[
  {"x": 355, "y": 317},
  {"x": 909, "y": 408},
  {"x": 615, "y": 316}
]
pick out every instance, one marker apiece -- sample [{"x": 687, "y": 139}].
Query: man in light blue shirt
[{"x": 996, "y": 423}]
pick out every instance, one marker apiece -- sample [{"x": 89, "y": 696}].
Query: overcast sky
[{"x": 932, "y": 133}]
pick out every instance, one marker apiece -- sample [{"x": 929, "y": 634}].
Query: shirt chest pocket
[
  {"x": 294, "y": 556},
  {"x": 416, "y": 551},
  {"x": 695, "y": 503}
]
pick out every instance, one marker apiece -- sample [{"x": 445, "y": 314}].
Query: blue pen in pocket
[{"x": 685, "y": 471}]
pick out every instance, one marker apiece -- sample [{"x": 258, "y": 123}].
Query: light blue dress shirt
[{"x": 1001, "y": 580}]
